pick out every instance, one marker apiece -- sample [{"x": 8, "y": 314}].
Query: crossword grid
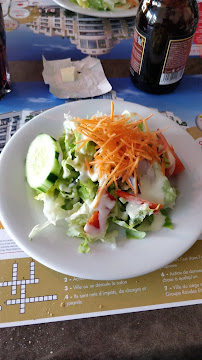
[{"x": 23, "y": 299}]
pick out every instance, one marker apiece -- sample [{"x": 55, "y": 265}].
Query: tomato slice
[
  {"x": 105, "y": 192},
  {"x": 137, "y": 200},
  {"x": 179, "y": 167},
  {"x": 94, "y": 220},
  {"x": 110, "y": 196},
  {"x": 163, "y": 141}
]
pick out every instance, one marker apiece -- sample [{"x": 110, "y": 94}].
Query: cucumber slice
[{"x": 42, "y": 166}]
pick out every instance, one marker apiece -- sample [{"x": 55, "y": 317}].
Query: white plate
[
  {"x": 93, "y": 12},
  {"x": 20, "y": 212}
]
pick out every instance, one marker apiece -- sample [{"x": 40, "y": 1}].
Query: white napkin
[{"x": 91, "y": 80}]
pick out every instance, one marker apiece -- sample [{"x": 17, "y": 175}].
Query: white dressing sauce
[
  {"x": 151, "y": 187},
  {"x": 102, "y": 180},
  {"x": 153, "y": 191},
  {"x": 104, "y": 207},
  {"x": 84, "y": 209},
  {"x": 134, "y": 209},
  {"x": 84, "y": 174},
  {"x": 94, "y": 174},
  {"x": 83, "y": 149},
  {"x": 66, "y": 171},
  {"x": 64, "y": 188},
  {"x": 158, "y": 222}
]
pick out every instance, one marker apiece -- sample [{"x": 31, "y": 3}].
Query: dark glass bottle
[
  {"x": 5, "y": 85},
  {"x": 163, "y": 37}
]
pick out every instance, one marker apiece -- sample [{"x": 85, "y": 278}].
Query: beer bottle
[
  {"x": 5, "y": 85},
  {"x": 162, "y": 41}
]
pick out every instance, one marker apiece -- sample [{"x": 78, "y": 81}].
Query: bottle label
[
  {"x": 139, "y": 42},
  {"x": 175, "y": 60}
]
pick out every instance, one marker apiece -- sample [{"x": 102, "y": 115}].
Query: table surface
[{"x": 173, "y": 333}]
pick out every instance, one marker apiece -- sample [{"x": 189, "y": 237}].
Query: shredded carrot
[
  {"x": 163, "y": 167},
  {"x": 120, "y": 146},
  {"x": 112, "y": 110},
  {"x": 115, "y": 182},
  {"x": 87, "y": 166},
  {"x": 145, "y": 123},
  {"x": 82, "y": 144},
  {"x": 130, "y": 185}
]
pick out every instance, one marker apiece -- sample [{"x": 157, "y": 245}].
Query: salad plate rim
[{"x": 122, "y": 13}]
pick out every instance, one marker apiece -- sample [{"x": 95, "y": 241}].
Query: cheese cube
[{"x": 69, "y": 74}]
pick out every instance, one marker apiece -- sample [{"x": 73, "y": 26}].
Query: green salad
[
  {"x": 103, "y": 174},
  {"x": 106, "y": 4}
]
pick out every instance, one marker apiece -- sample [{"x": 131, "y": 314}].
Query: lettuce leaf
[
  {"x": 169, "y": 193},
  {"x": 84, "y": 248},
  {"x": 168, "y": 224},
  {"x": 99, "y": 4},
  {"x": 131, "y": 232},
  {"x": 87, "y": 190}
]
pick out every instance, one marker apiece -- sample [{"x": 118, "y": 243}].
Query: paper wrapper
[{"x": 91, "y": 80}]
